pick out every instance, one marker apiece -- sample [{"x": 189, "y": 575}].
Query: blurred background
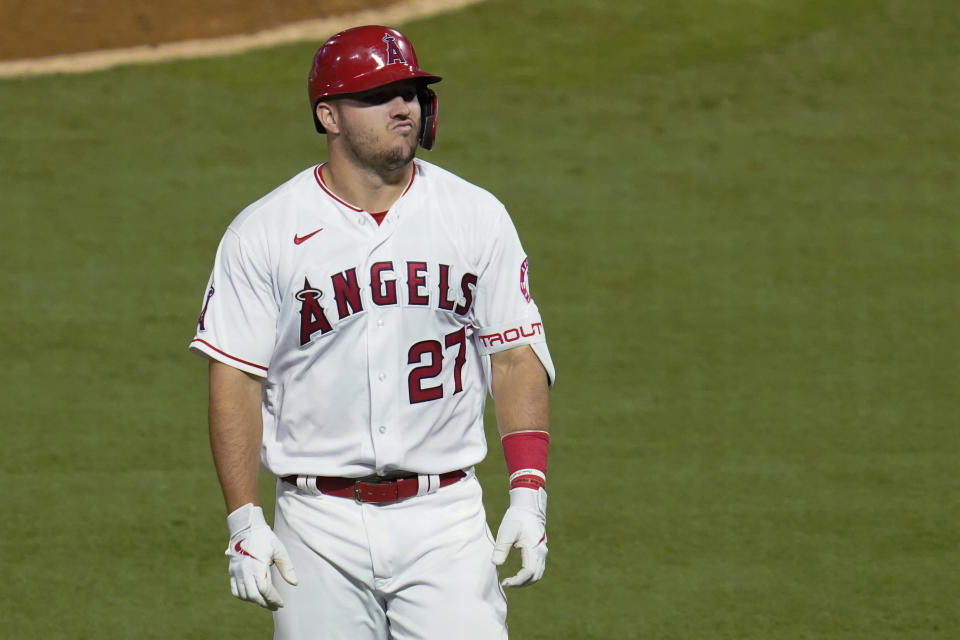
[{"x": 742, "y": 222}]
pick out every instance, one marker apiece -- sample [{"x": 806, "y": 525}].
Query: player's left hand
[
  {"x": 524, "y": 527},
  {"x": 253, "y": 548}
]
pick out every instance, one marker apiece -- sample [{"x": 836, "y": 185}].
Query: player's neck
[{"x": 369, "y": 190}]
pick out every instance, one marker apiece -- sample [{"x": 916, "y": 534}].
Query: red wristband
[{"x": 526, "y": 456}]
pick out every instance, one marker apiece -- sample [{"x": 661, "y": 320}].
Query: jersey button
[
  {"x": 382, "y": 429},
  {"x": 381, "y": 376},
  {"x": 379, "y": 322}
]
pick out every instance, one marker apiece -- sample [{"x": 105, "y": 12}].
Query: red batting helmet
[{"x": 364, "y": 58}]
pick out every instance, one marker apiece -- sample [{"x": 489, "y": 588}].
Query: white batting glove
[
  {"x": 253, "y": 548},
  {"x": 524, "y": 527}
]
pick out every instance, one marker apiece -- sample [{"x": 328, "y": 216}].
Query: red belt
[{"x": 376, "y": 490}]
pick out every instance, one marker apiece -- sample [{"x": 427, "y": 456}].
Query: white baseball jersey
[{"x": 373, "y": 340}]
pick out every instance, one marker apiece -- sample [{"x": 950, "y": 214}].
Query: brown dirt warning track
[{"x": 58, "y": 36}]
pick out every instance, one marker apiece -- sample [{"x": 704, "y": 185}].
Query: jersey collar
[{"x": 318, "y": 174}]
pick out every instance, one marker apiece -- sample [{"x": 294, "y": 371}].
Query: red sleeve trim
[{"x": 224, "y": 353}]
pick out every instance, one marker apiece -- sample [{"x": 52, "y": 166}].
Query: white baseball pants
[{"x": 417, "y": 569}]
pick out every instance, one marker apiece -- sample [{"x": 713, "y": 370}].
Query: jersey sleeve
[
  {"x": 505, "y": 314},
  {"x": 238, "y": 320}
]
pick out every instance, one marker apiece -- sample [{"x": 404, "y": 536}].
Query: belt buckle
[
  {"x": 374, "y": 499},
  {"x": 359, "y": 497}
]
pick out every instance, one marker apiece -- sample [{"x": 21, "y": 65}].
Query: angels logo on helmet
[{"x": 393, "y": 51}]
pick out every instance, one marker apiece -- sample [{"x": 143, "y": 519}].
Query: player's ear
[{"x": 328, "y": 117}]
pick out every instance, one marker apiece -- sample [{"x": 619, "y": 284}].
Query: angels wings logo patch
[
  {"x": 525, "y": 279},
  {"x": 202, "y": 320}
]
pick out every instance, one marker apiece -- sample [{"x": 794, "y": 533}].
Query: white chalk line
[{"x": 318, "y": 29}]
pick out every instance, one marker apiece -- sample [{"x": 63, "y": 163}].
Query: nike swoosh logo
[
  {"x": 301, "y": 239},
  {"x": 242, "y": 551}
]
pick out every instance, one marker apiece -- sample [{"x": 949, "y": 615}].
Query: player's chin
[
  {"x": 405, "y": 149},
  {"x": 397, "y": 156}
]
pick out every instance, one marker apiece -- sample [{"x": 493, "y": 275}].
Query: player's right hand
[{"x": 253, "y": 548}]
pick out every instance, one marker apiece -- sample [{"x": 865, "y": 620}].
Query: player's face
[{"x": 380, "y": 127}]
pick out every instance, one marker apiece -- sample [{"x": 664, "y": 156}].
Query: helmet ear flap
[{"x": 428, "y": 117}]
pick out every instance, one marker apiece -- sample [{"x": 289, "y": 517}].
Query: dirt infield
[{"x": 57, "y": 36}]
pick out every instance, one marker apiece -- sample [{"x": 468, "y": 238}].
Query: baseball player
[{"x": 354, "y": 322}]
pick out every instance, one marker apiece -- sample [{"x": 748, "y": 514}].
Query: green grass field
[{"x": 742, "y": 217}]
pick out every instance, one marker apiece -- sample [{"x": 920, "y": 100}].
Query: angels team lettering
[{"x": 385, "y": 289}]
